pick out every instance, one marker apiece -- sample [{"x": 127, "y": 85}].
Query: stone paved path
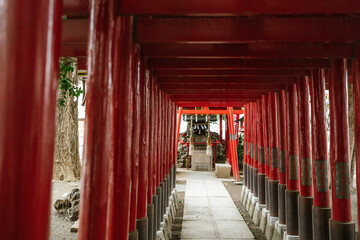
[{"x": 209, "y": 211}]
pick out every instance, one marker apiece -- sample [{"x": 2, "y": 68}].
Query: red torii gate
[
  {"x": 309, "y": 40},
  {"x": 229, "y": 112}
]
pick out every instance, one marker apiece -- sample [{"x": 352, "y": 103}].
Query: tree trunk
[{"x": 67, "y": 159}]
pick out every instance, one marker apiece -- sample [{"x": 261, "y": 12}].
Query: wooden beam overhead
[
  {"x": 205, "y": 63},
  {"x": 250, "y": 50},
  {"x": 231, "y": 72},
  {"x": 235, "y": 7},
  {"x": 245, "y": 30},
  {"x": 228, "y": 80},
  {"x": 249, "y": 87}
]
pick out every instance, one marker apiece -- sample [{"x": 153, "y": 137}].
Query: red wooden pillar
[
  {"x": 251, "y": 158},
  {"x": 274, "y": 164},
  {"x": 227, "y": 146},
  {"x": 151, "y": 194},
  {"x": 283, "y": 155},
  {"x": 305, "y": 198},
  {"x": 135, "y": 146},
  {"x": 321, "y": 209},
  {"x": 246, "y": 144},
  {"x": 341, "y": 225},
  {"x": 266, "y": 148},
  {"x": 142, "y": 220},
  {"x": 261, "y": 154},
  {"x": 29, "y": 65},
  {"x": 292, "y": 175},
  {"x": 221, "y": 140},
  {"x": 257, "y": 148},
  {"x": 157, "y": 206},
  {"x": 235, "y": 166},
  {"x": 120, "y": 163},
  {"x": 356, "y": 96},
  {"x": 99, "y": 144}
]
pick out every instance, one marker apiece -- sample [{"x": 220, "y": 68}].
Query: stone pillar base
[
  {"x": 253, "y": 202},
  {"x": 321, "y": 218},
  {"x": 279, "y": 231},
  {"x": 290, "y": 237},
  {"x": 263, "y": 219},
  {"x": 257, "y": 213},
  {"x": 270, "y": 226},
  {"x": 248, "y": 201}
]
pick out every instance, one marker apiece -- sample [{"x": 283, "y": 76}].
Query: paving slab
[{"x": 209, "y": 211}]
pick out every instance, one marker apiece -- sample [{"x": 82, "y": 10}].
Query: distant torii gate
[{"x": 232, "y": 140}]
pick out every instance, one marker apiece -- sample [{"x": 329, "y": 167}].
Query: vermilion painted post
[
  {"x": 274, "y": 164},
  {"x": 227, "y": 146},
  {"x": 142, "y": 220},
  {"x": 221, "y": 140},
  {"x": 356, "y": 96},
  {"x": 156, "y": 159},
  {"x": 341, "y": 224},
  {"x": 292, "y": 164},
  {"x": 266, "y": 148},
  {"x": 99, "y": 145},
  {"x": 120, "y": 176},
  {"x": 151, "y": 197},
  {"x": 282, "y": 155},
  {"x": 321, "y": 208},
  {"x": 251, "y": 160},
  {"x": 246, "y": 144},
  {"x": 305, "y": 198},
  {"x": 235, "y": 166},
  {"x": 178, "y": 129},
  {"x": 133, "y": 234},
  {"x": 261, "y": 174},
  {"x": 257, "y": 146},
  {"x": 30, "y": 38}
]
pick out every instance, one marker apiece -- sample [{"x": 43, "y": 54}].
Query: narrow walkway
[{"x": 209, "y": 211}]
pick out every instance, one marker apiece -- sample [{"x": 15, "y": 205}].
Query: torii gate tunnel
[{"x": 145, "y": 60}]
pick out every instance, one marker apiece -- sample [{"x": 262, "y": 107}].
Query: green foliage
[
  {"x": 67, "y": 86},
  {"x": 240, "y": 149}
]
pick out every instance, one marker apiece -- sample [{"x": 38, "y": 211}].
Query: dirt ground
[
  {"x": 234, "y": 191},
  {"x": 59, "y": 226}
]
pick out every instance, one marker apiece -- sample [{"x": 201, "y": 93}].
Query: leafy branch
[{"x": 67, "y": 86}]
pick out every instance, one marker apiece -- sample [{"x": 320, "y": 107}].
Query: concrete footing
[
  {"x": 164, "y": 231},
  {"x": 290, "y": 237},
  {"x": 270, "y": 226},
  {"x": 245, "y": 196},
  {"x": 279, "y": 231},
  {"x": 253, "y": 202},
  {"x": 248, "y": 201},
  {"x": 263, "y": 219},
  {"x": 257, "y": 213}
]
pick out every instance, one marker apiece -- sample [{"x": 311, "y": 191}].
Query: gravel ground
[
  {"x": 234, "y": 191},
  {"x": 59, "y": 226}
]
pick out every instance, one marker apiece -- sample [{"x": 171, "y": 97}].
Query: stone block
[
  {"x": 253, "y": 202},
  {"x": 263, "y": 219},
  {"x": 248, "y": 201},
  {"x": 279, "y": 231},
  {"x": 290, "y": 237},
  {"x": 257, "y": 213},
  {"x": 270, "y": 226},
  {"x": 222, "y": 170}
]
